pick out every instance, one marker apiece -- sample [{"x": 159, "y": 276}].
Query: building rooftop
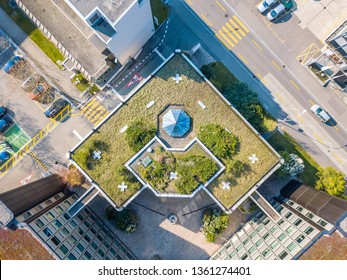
[{"x": 113, "y": 9}]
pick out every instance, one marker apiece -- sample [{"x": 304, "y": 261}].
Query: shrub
[
  {"x": 331, "y": 181},
  {"x": 221, "y": 142},
  {"x": 125, "y": 220},
  {"x": 138, "y": 135},
  {"x": 293, "y": 165},
  {"x": 215, "y": 222},
  {"x": 74, "y": 177},
  {"x": 234, "y": 168}
]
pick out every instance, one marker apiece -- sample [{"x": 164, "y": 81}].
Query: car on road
[
  {"x": 266, "y": 4},
  {"x": 12, "y": 62},
  {"x": 317, "y": 110},
  {"x": 4, "y": 156},
  {"x": 3, "y": 111},
  {"x": 276, "y": 12},
  {"x": 56, "y": 107},
  {"x": 4, "y": 124}
]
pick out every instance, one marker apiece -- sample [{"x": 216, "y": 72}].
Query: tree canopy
[
  {"x": 331, "y": 181},
  {"x": 138, "y": 135}
]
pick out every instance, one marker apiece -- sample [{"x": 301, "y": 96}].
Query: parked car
[
  {"x": 13, "y": 61},
  {"x": 37, "y": 92},
  {"x": 3, "y": 111},
  {"x": 5, "y": 146},
  {"x": 56, "y": 107},
  {"x": 4, "y": 124},
  {"x": 276, "y": 12},
  {"x": 4, "y": 156},
  {"x": 324, "y": 117},
  {"x": 265, "y": 5}
]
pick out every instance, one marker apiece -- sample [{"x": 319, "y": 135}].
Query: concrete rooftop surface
[
  {"x": 113, "y": 9},
  {"x": 65, "y": 31}
]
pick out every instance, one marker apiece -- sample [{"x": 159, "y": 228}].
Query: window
[
  {"x": 259, "y": 229},
  {"x": 94, "y": 245},
  {"x": 87, "y": 255},
  {"x": 68, "y": 204},
  {"x": 72, "y": 239},
  {"x": 251, "y": 250},
  {"x": 308, "y": 230},
  {"x": 86, "y": 210},
  {"x": 50, "y": 215},
  {"x": 59, "y": 209},
  {"x": 106, "y": 244},
  {"x": 87, "y": 224},
  {"x": 63, "y": 249},
  {"x": 291, "y": 246},
  {"x": 101, "y": 253},
  {"x": 80, "y": 247},
  {"x": 274, "y": 244},
  {"x": 265, "y": 236},
  {"x": 55, "y": 240},
  {"x": 48, "y": 232},
  {"x": 265, "y": 252},
  {"x": 245, "y": 241},
  {"x": 26, "y": 215},
  {"x": 299, "y": 208},
  {"x": 92, "y": 217},
  {"x": 93, "y": 230},
  {"x": 266, "y": 221},
  {"x": 66, "y": 216},
  {"x": 273, "y": 229},
  {"x": 73, "y": 224},
  {"x": 280, "y": 222},
  {"x": 56, "y": 197},
  {"x": 87, "y": 238},
  {"x": 259, "y": 242},
  {"x": 79, "y": 216},
  {"x": 309, "y": 215},
  {"x": 288, "y": 215},
  {"x": 281, "y": 237},
  {"x": 244, "y": 257},
  {"x": 48, "y": 202},
  {"x": 39, "y": 223},
  {"x": 260, "y": 215},
  {"x": 112, "y": 251},
  {"x": 99, "y": 237},
  {"x": 119, "y": 257},
  {"x": 290, "y": 203},
  {"x": 289, "y": 229},
  {"x": 297, "y": 222},
  {"x": 322, "y": 222},
  {"x": 282, "y": 255},
  {"x": 300, "y": 238},
  {"x": 116, "y": 242},
  {"x": 80, "y": 231},
  {"x": 58, "y": 223},
  {"x": 65, "y": 231},
  {"x": 238, "y": 249},
  {"x": 279, "y": 208},
  {"x": 71, "y": 257},
  {"x": 253, "y": 234}
]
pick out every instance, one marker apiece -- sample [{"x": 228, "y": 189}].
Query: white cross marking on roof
[
  {"x": 226, "y": 185},
  {"x": 173, "y": 175},
  {"x": 253, "y": 158},
  {"x": 122, "y": 187},
  {"x": 177, "y": 78},
  {"x": 96, "y": 155}
]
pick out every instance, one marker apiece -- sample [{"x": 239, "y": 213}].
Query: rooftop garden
[{"x": 208, "y": 111}]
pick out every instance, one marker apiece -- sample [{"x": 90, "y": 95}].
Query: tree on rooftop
[
  {"x": 331, "y": 181},
  {"x": 138, "y": 135}
]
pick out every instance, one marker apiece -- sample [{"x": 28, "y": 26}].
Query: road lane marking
[
  {"x": 255, "y": 43},
  {"x": 312, "y": 103},
  {"x": 37, "y": 103},
  {"x": 334, "y": 126},
  {"x": 223, "y": 42},
  {"x": 220, "y": 5},
  {"x": 294, "y": 84},
  {"x": 234, "y": 31},
  {"x": 276, "y": 65},
  {"x": 243, "y": 59},
  {"x": 206, "y": 20},
  {"x": 226, "y": 38},
  {"x": 88, "y": 105},
  {"x": 190, "y": 2},
  {"x": 320, "y": 140},
  {"x": 241, "y": 24},
  {"x": 229, "y": 34},
  {"x": 337, "y": 157},
  {"x": 237, "y": 27},
  {"x": 311, "y": 51},
  {"x": 78, "y": 136},
  {"x": 260, "y": 77}
]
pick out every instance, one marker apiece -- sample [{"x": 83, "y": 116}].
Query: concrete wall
[{"x": 133, "y": 31}]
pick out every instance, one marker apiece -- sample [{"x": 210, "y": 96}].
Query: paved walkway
[{"x": 61, "y": 78}]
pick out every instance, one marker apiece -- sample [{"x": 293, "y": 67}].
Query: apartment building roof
[
  {"x": 113, "y": 9},
  {"x": 25, "y": 197},
  {"x": 326, "y": 206},
  {"x": 70, "y": 31}
]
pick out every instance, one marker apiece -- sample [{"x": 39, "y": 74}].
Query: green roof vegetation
[{"x": 164, "y": 91}]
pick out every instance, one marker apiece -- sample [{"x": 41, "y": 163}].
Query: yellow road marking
[
  {"x": 37, "y": 103},
  {"x": 260, "y": 77},
  {"x": 226, "y": 38},
  {"x": 255, "y": 43},
  {"x": 190, "y": 2},
  {"x": 88, "y": 105},
  {"x": 242, "y": 25},
  {"x": 222, "y": 41},
  {"x": 300, "y": 119},
  {"x": 294, "y": 84},
  {"x": 220, "y": 5},
  {"x": 310, "y": 50},
  {"x": 311, "y": 101},
  {"x": 206, "y": 20},
  {"x": 243, "y": 59},
  {"x": 237, "y": 27},
  {"x": 97, "y": 115},
  {"x": 229, "y": 34},
  {"x": 276, "y": 65},
  {"x": 279, "y": 96},
  {"x": 75, "y": 115},
  {"x": 334, "y": 126},
  {"x": 320, "y": 140},
  {"x": 91, "y": 109},
  {"x": 234, "y": 31},
  {"x": 337, "y": 157}
]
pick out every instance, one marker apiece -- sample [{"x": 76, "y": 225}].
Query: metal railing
[{"x": 34, "y": 141}]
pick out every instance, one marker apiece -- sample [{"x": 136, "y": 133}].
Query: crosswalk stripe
[
  {"x": 224, "y": 43},
  {"x": 97, "y": 115},
  {"x": 226, "y": 38},
  {"x": 237, "y": 27},
  {"x": 88, "y": 105},
  {"x": 240, "y": 23},
  {"x": 229, "y": 34},
  {"x": 234, "y": 31},
  {"x": 91, "y": 109}
]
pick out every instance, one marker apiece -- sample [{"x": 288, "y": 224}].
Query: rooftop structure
[
  {"x": 162, "y": 91},
  {"x": 176, "y": 123}
]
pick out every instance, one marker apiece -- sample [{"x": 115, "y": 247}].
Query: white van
[
  {"x": 324, "y": 117},
  {"x": 266, "y": 4},
  {"x": 276, "y": 12}
]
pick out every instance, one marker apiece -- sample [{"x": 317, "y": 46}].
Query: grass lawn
[
  {"x": 159, "y": 10},
  {"x": 287, "y": 143},
  {"x": 33, "y": 32},
  {"x": 80, "y": 82},
  {"x": 164, "y": 91}
]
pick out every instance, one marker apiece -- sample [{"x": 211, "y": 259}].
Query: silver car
[
  {"x": 266, "y": 4},
  {"x": 276, "y": 12}
]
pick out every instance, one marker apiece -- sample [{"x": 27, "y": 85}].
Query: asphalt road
[{"x": 284, "y": 86}]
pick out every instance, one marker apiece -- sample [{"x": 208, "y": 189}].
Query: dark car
[
  {"x": 4, "y": 124},
  {"x": 4, "y": 156},
  {"x": 56, "y": 107},
  {"x": 3, "y": 111},
  {"x": 11, "y": 63}
]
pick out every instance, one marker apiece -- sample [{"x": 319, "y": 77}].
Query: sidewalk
[{"x": 60, "y": 78}]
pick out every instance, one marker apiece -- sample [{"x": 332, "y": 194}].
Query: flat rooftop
[
  {"x": 161, "y": 91},
  {"x": 113, "y": 9}
]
